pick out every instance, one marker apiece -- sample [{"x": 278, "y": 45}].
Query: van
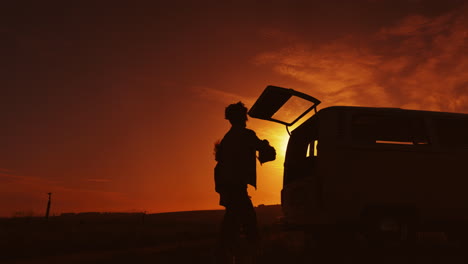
[{"x": 375, "y": 170}]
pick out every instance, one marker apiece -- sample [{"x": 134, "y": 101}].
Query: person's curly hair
[{"x": 235, "y": 111}]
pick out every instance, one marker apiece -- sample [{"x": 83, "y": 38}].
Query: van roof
[{"x": 390, "y": 110}]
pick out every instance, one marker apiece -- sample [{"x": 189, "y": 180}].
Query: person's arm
[
  {"x": 265, "y": 150},
  {"x": 257, "y": 143}
]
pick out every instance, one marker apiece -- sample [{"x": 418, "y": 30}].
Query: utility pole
[{"x": 48, "y": 207}]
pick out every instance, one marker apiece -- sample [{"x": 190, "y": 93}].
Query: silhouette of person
[{"x": 235, "y": 169}]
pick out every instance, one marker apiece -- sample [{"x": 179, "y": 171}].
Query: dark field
[{"x": 187, "y": 237}]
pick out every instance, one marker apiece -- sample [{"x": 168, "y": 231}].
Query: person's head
[{"x": 236, "y": 114}]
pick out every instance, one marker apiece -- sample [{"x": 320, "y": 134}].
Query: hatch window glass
[{"x": 292, "y": 109}]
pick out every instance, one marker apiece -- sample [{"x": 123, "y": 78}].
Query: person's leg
[
  {"x": 230, "y": 227},
  {"x": 250, "y": 222},
  {"x": 225, "y": 244},
  {"x": 247, "y": 216},
  {"x": 248, "y": 219}
]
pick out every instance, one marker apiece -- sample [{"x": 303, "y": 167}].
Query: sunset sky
[{"x": 116, "y": 105}]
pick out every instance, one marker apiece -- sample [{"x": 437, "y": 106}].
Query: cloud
[
  {"x": 98, "y": 180},
  {"x": 12, "y": 177},
  {"x": 418, "y": 25},
  {"x": 336, "y": 72},
  {"x": 221, "y": 96},
  {"x": 418, "y": 62},
  {"x": 19, "y": 193},
  {"x": 7, "y": 177},
  {"x": 3, "y": 170}
]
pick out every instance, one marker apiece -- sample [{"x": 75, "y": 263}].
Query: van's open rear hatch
[{"x": 282, "y": 105}]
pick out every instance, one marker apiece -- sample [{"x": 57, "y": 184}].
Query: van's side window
[
  {"x": 374, "y": 129},
  {"x": 452, "y": 132},
  {"x": 312, "y": 149},
  {"x": 301, "y": 153}
]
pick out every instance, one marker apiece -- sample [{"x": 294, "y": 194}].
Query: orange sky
[{"x": 115, "y": 107}]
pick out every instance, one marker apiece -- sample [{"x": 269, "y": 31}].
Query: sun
[
  {"x": 279, "y": 140},
  {"x": 283, "y": 144}
]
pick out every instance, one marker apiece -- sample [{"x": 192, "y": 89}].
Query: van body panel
[{"x": 348, "y": 176}]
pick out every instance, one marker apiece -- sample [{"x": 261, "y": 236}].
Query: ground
[{"x": 186, "y": 237}]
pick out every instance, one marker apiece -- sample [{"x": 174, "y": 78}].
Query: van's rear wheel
[
  {"x": 331, "y": 244},
  {"x": 389, "y": 225}
]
